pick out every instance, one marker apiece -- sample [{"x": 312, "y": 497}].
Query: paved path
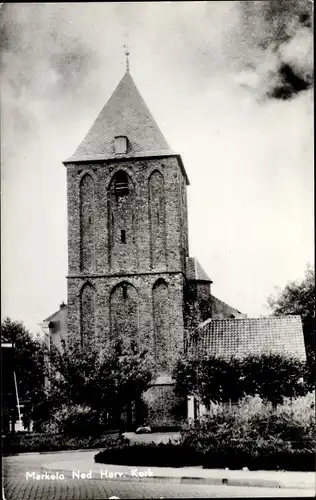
[{"x": 17, "y": 487}]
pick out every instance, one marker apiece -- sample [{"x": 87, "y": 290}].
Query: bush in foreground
[
  {"x": 58, "y": 442},
  {"x": 253, "y": 435},
  {"x": 151, "y": 454}
]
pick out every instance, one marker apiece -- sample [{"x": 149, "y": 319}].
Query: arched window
[
  {"x": 87, "y": 314},
  {"x": 156, "y": 194},
  {"x": 87, "y": 224},
  {"x": 121, "y": 202},
  {"x": 161, "y": 323},
  {"x": 124, "y": 314}
]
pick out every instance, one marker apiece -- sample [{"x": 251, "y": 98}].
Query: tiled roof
[
  {"x": 124, "y": 114},
  {"x": 195, "y": 270},
  {"x": 242, "y": 337}
]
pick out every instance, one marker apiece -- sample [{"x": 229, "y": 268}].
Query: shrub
[
  {"x": 252, "y": 434},
  {"x": 256, "y": 434},
  {"x": 151, "y": 454},
  {"x": 56, "y": 442},
  {"x": 78, "y": 420}
]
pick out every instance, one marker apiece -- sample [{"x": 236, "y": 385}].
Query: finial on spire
[{"x": 127, "y": 54}]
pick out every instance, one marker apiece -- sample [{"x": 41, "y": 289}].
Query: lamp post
[{"x": 7, "y": 356}]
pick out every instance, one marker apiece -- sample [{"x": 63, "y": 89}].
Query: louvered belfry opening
[{"x": 121, "y": 184}]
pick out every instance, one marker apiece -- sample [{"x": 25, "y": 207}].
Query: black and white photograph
[{"x": 157, "y": 249}]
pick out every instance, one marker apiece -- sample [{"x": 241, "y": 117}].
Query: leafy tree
[
  {"x": 212, "y": 378},
  {"x": 28, "y": 361},
  {"x": 272, "y": 377},
  {"x": 102, "y": 382},
  {"x": 298, "y": 297}
]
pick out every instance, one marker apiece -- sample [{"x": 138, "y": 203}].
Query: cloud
[
  {"x": 282, "y": 39},
  {"x": 208, "y": 71}
]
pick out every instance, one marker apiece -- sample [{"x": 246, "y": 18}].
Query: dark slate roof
[
  {"x": 242, "y": 337},
  {"x": 124, "y": 114},
  {"x": 195, "y": 271}
]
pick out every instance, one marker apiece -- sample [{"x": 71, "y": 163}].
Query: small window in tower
[
  {"x": 121, "y": 184},
  {"x": 120, "y": 145},
  {"x": 124, "y": 291},
  {"x": 123, "y": 236}
]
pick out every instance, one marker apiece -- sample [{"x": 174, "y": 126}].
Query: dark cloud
[
  {"x": 282, "y": 32},
  {"x": 290, "y": 83}
]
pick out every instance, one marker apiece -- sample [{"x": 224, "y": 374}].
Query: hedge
[
  {"x": 151, "y": 454},
  {"x": 271, "y": 456},
  {"x": 58, "y": 442}
]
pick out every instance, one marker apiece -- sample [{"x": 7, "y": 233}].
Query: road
[{"x": 17, "y": 487}]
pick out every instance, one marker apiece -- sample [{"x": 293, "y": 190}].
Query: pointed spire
[{"x": 125, "y": 114}]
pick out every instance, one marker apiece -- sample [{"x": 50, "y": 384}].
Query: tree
[
  {"x": 28, "y": 360},
  {"x": 210, "y": 379},
  {"x": 298, "y": 297},
  {"x": 271, "y": 376},
  {"x": 104, "y": 382}
]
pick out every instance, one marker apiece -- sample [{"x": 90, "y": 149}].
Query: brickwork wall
[
  {"x": 133, "y": 288},
  {"x": 139, "y": 172},
  {"x": 184, "y": 235},
  {"x": 164, "y": 407},
  {"x": 144, "y": 287},
  {"x": 197, "y": 304},
  {"x": 157, "y": 220}
]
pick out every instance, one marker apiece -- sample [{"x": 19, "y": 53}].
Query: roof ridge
[{"x": 256, "y": 318}]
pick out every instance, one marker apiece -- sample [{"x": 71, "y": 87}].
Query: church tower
[{"x": 127, "y": 232}]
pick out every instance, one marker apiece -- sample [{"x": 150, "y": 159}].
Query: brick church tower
[{"x": 127, "y": 233}]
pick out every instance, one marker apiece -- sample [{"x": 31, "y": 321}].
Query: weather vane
[{"x": 127, "y": 54}]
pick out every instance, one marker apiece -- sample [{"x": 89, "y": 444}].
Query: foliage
[
  {"x": 253, "y": 419},
  {"x": 55, "y": 442},
  {"x": 256, "y": 434},
  {"x": 253, "y": 434},
  {"x": 28, "y": 364},
  {"x": 150, "y": 454},
  {"x": 95, "y": 386},
  {"x": 77, "y": 420},
  {"x": 298, "y": 297},
  {"x": 272, "y": 377}
]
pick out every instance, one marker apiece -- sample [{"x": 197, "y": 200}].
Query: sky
[{"x": 230, "y": 86}]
